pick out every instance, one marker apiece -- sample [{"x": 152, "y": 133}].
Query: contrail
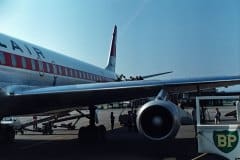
[{"x": 138, "y": 11}]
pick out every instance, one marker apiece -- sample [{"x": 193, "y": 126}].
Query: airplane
[{"x": 35, "y": 80}]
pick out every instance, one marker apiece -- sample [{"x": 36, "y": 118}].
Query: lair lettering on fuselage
[{"x": 15, "y": 46}]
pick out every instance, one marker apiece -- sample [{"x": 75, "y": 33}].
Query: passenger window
[
  {"x": 73, "y": 73},
  {"x": 77, "y": 72},
  {"x": 54, "y": 69},
  {"x": 33, "y": 64},
  {"x": 66, "y": 72},
  {"x": 24, "y": 62},
  {"x": 62, "y": 70},
  {"x": 58, "y": 70},
  {"x": 2, "y": 58},
  {"x": 80, "y": 74},
  {"x": 48, "y": 68},
  {"x": 83, "y": 75},
  {"x": 14, "y": 61},
  {"x": 70, "y": 72},
  {"x": 88, "y": 76}
]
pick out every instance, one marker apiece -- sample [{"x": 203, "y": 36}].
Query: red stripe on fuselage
[{"x": 48, "y": 68}]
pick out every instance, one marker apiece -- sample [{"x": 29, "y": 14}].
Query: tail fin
[{"x": 112, "y": 55}]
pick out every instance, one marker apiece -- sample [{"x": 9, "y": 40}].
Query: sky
[{"x": 192, "y": 38}]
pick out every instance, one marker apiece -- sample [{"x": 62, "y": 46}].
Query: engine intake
[{"x": 158, "y": 120}]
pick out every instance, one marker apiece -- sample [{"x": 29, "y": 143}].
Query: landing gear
[
  {"x": 47, "y": 129},
  {"x": 7, "y": 134},
  {"x": 92, "y": 133}
]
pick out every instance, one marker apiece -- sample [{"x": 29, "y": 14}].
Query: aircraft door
[
  {"x": 54, "y": 73},
  {"x": 40, "y": 66}
]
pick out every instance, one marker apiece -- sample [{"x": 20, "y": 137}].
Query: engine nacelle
[{"x": 158, "y": 120}]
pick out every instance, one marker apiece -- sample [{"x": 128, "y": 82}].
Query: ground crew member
[
  {"x": 217, "y": 116},
  {"x": 194, "y": 117},
  {"x": 35, "y": 123},
  {"x": 134, "y": 120},
  {"x": 112, "y": 120}
]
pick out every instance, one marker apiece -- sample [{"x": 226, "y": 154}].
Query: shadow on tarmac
[{"x": 120, "y": 144}]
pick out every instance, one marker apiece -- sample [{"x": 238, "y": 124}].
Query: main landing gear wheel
[
  {"x": 7, "y": 134},
  {"x": 92, "y": 133}
]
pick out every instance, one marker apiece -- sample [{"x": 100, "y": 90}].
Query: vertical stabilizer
[{"x": 112, "y": 55}]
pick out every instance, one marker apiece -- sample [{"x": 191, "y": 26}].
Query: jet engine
[{"x": 159, "y": 120}]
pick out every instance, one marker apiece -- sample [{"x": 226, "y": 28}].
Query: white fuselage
[{"x": 22, "y": 63}]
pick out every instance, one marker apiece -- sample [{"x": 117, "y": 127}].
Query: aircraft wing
[{"x": 71, "y": 96}]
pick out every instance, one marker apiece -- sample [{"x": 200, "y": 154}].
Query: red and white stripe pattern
[{"x": 21, "y": 62}]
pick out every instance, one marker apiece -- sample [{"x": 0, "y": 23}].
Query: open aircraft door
[
  {"x": 55, "y": 73},
  {"x": 218, "y": 137}
]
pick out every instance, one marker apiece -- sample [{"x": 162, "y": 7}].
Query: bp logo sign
[{"x": 225, "y": 141}]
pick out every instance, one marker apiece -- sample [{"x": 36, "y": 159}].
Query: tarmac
[{"x": 119, "y": 144}]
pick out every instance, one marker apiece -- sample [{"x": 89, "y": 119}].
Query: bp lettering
[{"x": 225, "y": 141}]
